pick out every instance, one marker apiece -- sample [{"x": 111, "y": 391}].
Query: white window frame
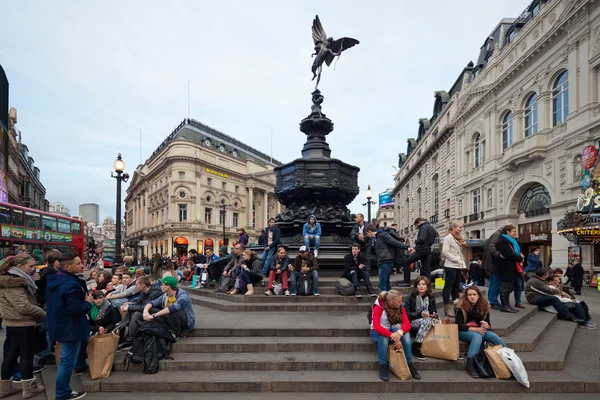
[
  {"x": 507, "y": 131},
  {"x": 531, "y": 112},
  {"x": 560, "y": 92}
]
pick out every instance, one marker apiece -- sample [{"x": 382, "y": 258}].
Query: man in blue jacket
[
  {"x": 312, "y": 234},
  {"x": 272, "y": 240},
  {"x": 67, "y": 304},
  {"x": 174, "y": 305}
]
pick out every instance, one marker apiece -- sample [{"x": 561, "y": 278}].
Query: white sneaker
[
  {"x": 287, "y": 292},
  {"x": 316, "y": 253}
]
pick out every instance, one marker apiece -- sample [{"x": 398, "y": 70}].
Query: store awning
[{"x": 180, "y": 241}]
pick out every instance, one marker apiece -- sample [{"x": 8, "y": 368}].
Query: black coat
[
  {"x": 506, "y": 267},
  {"x": 410, "y": 305},
  {"x": 108, "y": 321},
  {"x": 350, "y": 265},
  {"x": 473, "y": 315},
  {"x": 425, "y": 238},
  {"x": 399, "y": 254},
  {"x": 138, "y": 305},
  {"x": 577, "y": 276}
]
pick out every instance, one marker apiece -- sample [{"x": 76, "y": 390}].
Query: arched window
[
  {"x": 419, "y": 202},
  {"x": 507, "y": 131},
  {"x": 436, "y": 199},
  {"x": 531, "y": 116},
  {"x": 534, "y": 201},
  {"x": 477, "y": 151},
  {"x": 560, "y": 99}
]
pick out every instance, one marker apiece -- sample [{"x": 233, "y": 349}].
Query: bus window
[
  {"x": 76, "y": 228},
  {"x": 17, "y": 217},
  {"x": 5, "y": 247},
  {"x": 4, "y": 215},
  {"x": 32, "y": 220},
  {"x": 64, "y": 225},
  {"x": 48, "y": 223},
  {"x": 64, "y": 249}
]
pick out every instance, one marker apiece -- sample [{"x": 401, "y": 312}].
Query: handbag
[
  {"x": 439, "y": 283},
  {"x": 482, "y": 365},
  {"x": 500, "y": 368},
  {"x": 518, "y": 265},
  {"x": 224, "y": 286},
  {"x": 39, "y": 342}
]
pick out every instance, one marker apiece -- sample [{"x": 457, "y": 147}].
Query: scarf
[
  {"x": 459, "y": 239},
  {"x": 96, "y": 313},
  {"x": 514, "y": 243},
  {"x": 422, "y": 304},
  {"x": 394, "y": 315},
  {"x": 30, "y": 283}
]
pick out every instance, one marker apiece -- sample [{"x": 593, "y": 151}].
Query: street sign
[{"x": 143, "y": 243}]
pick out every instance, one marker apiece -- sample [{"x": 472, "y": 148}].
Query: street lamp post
[
  {"x": 120, "y": 177},
  {"x": 369, "y": 203}
]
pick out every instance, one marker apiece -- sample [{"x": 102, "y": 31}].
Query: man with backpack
[
  {"x": 425, "y": 239},
  {"x": 305, "y": 273}
]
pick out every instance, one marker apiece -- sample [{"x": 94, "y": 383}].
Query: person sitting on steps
[
  {"x": 312, "y": 234},
  {"x": 474, "y": 326},
  {"x": 421, "y": 310},
  {"x": 250, "y": 272},
  {"x": 305, "y": 264},
  {"x": 233, "y": 268},
  {"x": 390, "y": 322},
  {"x": 355, "y": 270},
  {"x": 279, "y": 270}
]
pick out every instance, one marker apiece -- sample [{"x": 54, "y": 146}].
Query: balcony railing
[{"x": 434, "y": 219}]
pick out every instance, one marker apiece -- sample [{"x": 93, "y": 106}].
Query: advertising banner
[{"x": 15, "y": 232}]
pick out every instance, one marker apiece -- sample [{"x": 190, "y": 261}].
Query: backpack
[
  {"x": 151, "y": 344},
  {"x": 304, "y": 286},
  {"x": 344, "y": 287},
  {"x": 369, "y": 314}
]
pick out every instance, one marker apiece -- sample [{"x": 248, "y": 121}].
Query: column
[
  {"x": 584, "y": 79},
  {"x": 250, "y": 201},
  {"x": 265, "y": 207},
  {"x": 145, "y": 209},
  {"x": 573, "y": 80}
]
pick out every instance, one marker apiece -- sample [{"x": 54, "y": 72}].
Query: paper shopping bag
[
  {"x": 398, "y": 364},
  {"x": 441, "y": 342},
  {"x": 439, "y": 283},
  {"x": 500, "y": 368},
  {"x": 101, "y": 354}
]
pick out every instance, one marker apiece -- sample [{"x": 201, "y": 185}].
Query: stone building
[
  {"x": 24, "y": 185},
  {"x": 90, "y": 212},
  {"x": 517, "y": 124},
  {"x": 198, "y": 182},
  {"x": 59, "y": 208},
  {"x": 385, "y": 216}
]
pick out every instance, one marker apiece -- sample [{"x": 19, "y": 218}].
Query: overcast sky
[{"x": 85, "y": 77}]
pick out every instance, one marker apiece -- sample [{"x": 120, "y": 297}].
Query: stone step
[
  {"x": 446, "y": 381},
  {"x": 551, "y": 351},
  {"x": 532, "y": 330}
]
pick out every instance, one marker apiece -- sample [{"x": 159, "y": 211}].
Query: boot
[
  {"x": 449, "y": 310},
  {"x": 7, "y": 389},
  {"x": 31, "y": 388},
  {"x": 383, "y": 372},
  {"x": 413, "y": 372},
  {"x": 416, "y": 351},
  {"x": 249, "y": 290},
  {"x": 471, "y": 368}
]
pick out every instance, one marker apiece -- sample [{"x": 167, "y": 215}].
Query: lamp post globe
[
  {"x": 119, "y": 164},
  {"x": 369, "y": 193}
]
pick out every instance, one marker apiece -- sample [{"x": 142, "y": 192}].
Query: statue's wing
[
  {"x": 340, "y": 45},
  {"x": 318, "y": 33}
]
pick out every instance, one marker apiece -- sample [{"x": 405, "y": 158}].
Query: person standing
[
  {"x": 19, "y": 312},
  {"x": 272, "y": 240},
  {"x": 358, "y": 235},
  {"x": 488, "y": 263},
  {"x": 506, "y": 264},
  {"x": 243, "y": 237},
  {"x": 425, "y": 239},
  {"x": 454, "y": 265},
  {"x": 577, "y": 278},
  {"x": 399, "y": 255},
  {"x": 385, "y": 247},
  {"x": 312, "y": 234},
  {"x": 67, "y": 304},
  {"x": 533, "y": 263}
]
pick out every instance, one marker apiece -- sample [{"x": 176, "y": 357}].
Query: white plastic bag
[
  {"x": 514, "y": 363},
  {"x": 277, "y": 288}
]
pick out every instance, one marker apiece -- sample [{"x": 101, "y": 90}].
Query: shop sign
[
  {"x": 217, "y": 173},
  {"x": 15, "y": 232},
  {"x": 209, "y": 243},
  {"x": 588, "y": 200},
  {"x": 180, "y": 241},
  {"x": 528, "y": 237},
  {"x": 143, "y": 243},
  {"x": 594, "y": 218},
  {"x": 589, "y": 155}
]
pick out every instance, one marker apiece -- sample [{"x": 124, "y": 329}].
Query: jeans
[
  {"x": 250, "y": 278},
  {"x": 273, "y": 276},
  {"x": 69, "y": 358},
  {"x": 563, "y": 311},
  {"x": 180, "y": 273},
  {"x": 357, "y": 276},
  {"x": 316, "y": 241},
  {"x": 314, "y": 275},
  {"x": 384, "y": 276},
  {"x": 518, "y": 289},
  {"x": 451, "y": 284},
  {"x": 383, "y": 343},
  {"x": 425, "y": 257},
  {"x": 476, "y": 339},
  {"x": 494, "y": 289},
  {"x": 20, "y": 347},
  {"x": 265, "y": 259},
  {"x": 505, "y": 288},
  {"x": 118, "y": 302}
]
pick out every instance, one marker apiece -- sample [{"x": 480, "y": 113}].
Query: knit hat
[{"x": 169, "y": 281}]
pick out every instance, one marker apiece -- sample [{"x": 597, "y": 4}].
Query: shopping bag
[
  {"x": 204, "y": 276},
  {"x": 194, "y": 281},
  {"x": 277, "y": 288},
  {"x": 439, "y": 283},
  {"x": 514, "y": 363},
  {"x": 500, "y": 368},
  {"x": 441, "y": 342},
  {"x": 398, "y": 364},
  {"x": 101, "y": 354},
  {"x": 482, "y": 365}
]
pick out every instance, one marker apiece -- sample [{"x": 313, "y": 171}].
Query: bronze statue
[{"x": 326, "y": 49}]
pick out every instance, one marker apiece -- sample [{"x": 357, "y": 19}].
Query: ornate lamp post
[
  {"x": 369, "y": 203},
  {"x": 120, "y": 177}
]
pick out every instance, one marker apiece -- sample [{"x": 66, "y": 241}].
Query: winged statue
[{"x": 326, "y": 49}]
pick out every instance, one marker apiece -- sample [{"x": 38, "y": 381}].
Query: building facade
[
  {"x": 385, "y": 216},
  {"x": 90, "y": 213},
  {"x": 199, "y": 184},
  {"x": 520, "y": 119},
  {"x": 59, "y": 208},
  {"x": 24, "y": 185}
]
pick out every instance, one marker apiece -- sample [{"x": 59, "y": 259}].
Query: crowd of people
[{"x": 48, "y": 308}]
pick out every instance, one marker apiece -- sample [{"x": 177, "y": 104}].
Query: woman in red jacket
[{"x": 390, "y": 322}]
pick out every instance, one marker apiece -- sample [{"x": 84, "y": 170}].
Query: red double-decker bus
[{"x": 39, "y": 230}]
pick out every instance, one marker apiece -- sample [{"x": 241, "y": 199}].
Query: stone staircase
[{"x": 327, "y": 350}]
